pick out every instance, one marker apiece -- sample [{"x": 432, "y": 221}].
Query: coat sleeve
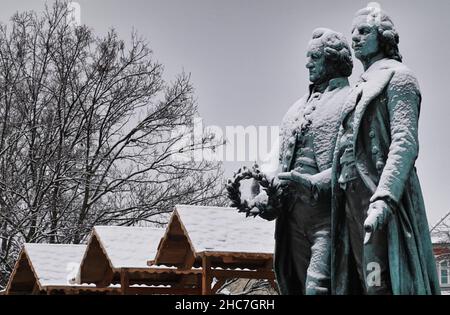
[
  {"x": 322, "y": 184},
  {"x": 403, "y": 103}
]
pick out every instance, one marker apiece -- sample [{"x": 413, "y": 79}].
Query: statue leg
[
  {"x": 376, "y": 262},
  {"x": 318, "y": 273},
  {"x": 299, "y": 248},
  {"x": 371, "y": 260}
]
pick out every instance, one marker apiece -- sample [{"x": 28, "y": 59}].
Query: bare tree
[{"x": 86, "y": 134}]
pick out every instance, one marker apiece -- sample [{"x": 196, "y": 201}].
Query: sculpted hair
[
  {"x": 337, "y": 51},
  {"x": 387, "y": 34}
]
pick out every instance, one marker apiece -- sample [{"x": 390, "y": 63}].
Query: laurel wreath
[{"x": 272, "y": 189}]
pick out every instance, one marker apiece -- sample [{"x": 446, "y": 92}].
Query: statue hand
[
  {"x": 303, "y": 180},
  {"x": 377, "y": 216}
]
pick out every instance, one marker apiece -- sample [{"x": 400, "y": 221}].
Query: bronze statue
[
  {"x": 300, "y": 198},
  {"x": 380, "y": 238}
]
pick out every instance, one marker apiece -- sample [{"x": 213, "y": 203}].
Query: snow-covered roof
[
  {"x": 54, "y": 264},
  {"x": 440, "y": 233},
  {"x": 220, "y": 229},
  {"x": 440, "y": 238},
  {"x": 129, "y": 247}
]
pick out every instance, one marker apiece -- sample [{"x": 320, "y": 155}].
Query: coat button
[
  {"x": 375, "y": 150},
  {"x": 372, "y": 134},
  {"x": 288, "y": 154}
]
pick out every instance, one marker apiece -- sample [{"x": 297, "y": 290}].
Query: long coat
[
  {"x": 324, "y": 128},
  {"x": 386, "y": 106}
]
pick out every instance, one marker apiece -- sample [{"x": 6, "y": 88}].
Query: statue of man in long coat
[
  {"x": 307, "y": 139},
  {"x": 380, "y": 238}
]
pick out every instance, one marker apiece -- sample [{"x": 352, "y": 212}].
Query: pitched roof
[
  {"x": 129, "y": 247},
  {"x": 113, "y": 251},
  {"x": 440, "y": 232},
  {"x": 220, "y": 229},
  {"x": 54, "y": 264}
]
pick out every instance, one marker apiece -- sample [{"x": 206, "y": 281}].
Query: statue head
[
  {"x": 374, "y": 35},
  {"x": 328, "y": 56}
]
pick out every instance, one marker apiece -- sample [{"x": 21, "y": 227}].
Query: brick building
[{"x": 440, "y": 237}]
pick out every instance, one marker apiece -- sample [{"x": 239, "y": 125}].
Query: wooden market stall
[
  {"x": 118, "y": 255},
  {"x": 220, "y": 241},
  {"x": 50, "y": 269}
]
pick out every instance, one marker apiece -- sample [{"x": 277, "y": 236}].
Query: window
[{"x": 444, "y": 272}]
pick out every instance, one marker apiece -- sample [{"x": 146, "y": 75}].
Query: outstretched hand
[
  {"x": 304, "y": 180},
  {"x": 377, "y": 216}
]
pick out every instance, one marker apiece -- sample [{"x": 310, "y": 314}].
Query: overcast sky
[{"x": 247, "y": 59}]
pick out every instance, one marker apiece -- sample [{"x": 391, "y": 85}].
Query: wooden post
[
  {"x": 124, "y": 281},
  {"x": 189, "y": 260},
  {"x": 206, "y": 275}
]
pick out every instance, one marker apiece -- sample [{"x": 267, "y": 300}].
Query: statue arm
[
  {"x": 403, "y": 107},
  {"x": 321, "y": 184},
  {"x": 317, "y": 185}
]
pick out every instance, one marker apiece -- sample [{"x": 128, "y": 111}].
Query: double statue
[{"x": 350, "y": 217}]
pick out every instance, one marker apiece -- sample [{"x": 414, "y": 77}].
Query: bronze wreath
[{"x": 272, "y": 189}]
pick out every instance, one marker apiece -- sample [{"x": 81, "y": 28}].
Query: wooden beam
[
  {"x": 246, "y": 274},
  {"x": 176, "y": 271},
  {"x": 124, "y": 281},
  {"x": 269, "y": 263},
  {"x": 161, "y": 290},
  {"x": 80, "y": 289},
  {"x": 230, "y": 259},
  {"x": 239, "y": 255},
  {"x": 206, "y": 275}
]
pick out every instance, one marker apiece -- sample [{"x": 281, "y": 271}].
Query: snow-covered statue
[
  {"x": 300, "y": 197},
  {"x": 380, "y": 238}
]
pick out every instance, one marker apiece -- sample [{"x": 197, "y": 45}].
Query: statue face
[
  {"x": 316, "y": 64},
  {"x": 364, "y": 39}
]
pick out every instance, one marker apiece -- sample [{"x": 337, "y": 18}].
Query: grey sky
[{"x": 247, "y": 59}]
